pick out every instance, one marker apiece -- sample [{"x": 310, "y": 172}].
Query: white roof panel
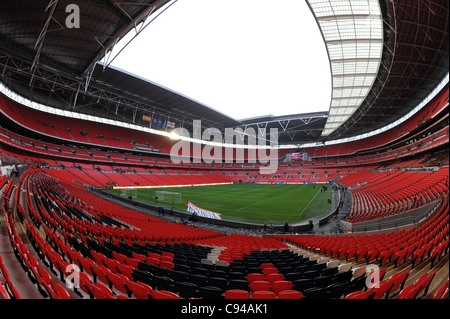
[{"x": 353, "y": 34}]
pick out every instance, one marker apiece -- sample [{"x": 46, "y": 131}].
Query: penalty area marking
[{"x": 304, "y": 209}]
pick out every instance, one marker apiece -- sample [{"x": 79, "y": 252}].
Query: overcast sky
[{"x": 242, "y": 58}]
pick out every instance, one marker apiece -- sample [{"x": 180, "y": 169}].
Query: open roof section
[
  {"x": 353, "y": 34},
  {"x": 244, "y": 58}
]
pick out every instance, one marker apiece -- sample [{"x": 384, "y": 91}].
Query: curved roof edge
[{"x": 353, "y": 35}]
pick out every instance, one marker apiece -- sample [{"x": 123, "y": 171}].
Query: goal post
[
  {"x": 126, "y": 192},
  {"x": 168, "y": 197}
]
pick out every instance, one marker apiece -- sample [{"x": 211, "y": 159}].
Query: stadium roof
[
  {"x": 44, "y": 60},
  {"x": 353, "y": 34}
]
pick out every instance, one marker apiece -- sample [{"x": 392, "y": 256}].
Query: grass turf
[{"x": 250, "y": 203}]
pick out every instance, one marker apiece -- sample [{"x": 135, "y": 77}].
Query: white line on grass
[
  {"x": 304, "y": 209},
  {"x": 252, "y": 204}
]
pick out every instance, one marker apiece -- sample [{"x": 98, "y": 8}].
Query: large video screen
[{"x": 297, "y": 156}]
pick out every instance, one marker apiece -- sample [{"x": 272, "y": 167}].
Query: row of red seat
[
  {"x": 104, "y": 135},
  {"x": 100, "y": 277},
  {"x": 238, "y": 245},
  {"x": 117, "y": 273},
  {"x": 380, "y": 194},
  {"x": 6, "y": 193},
  {"x": 96, "y": 178},
  {"x": 298, "y": 176},
  {"x": 146, "y": 227},
  {"x": 395, "y": 286},
  {"x": 115, "y": 276},
  {"x": 39, "y": 275},
  {"x": 430, "y": 240},
  {"x": 77, "y": 130},
  {"x": 45, "y": 186},
  {"x": 7, "y": 289}
]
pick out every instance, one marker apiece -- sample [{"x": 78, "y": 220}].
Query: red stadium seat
[
  {"x": 259, "y": 285},
  {"x": 139, "y": 290},
  {"x": 442, "y": 291},
  {"x": 271, "y": 277},
  {"x": 61, "y": 292},
  {"x": 237, "y": 294},
  {"x": 164, "y": 294},
  {"x": 254, "y": 276},
  {"x": 409, "y": 292},
  {"x": 280, "y": 285},
  {"x": 359, "y": 295},
  {"x": 290, "y": 294},
  {"x": 100, "y": 291},
  {"x": 118, "y": 282},
  {"x": 269, "y": 270},
  {"x": 263, "y": 294}
]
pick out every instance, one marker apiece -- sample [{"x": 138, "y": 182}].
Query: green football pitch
[{"x": 250, "y": 203}]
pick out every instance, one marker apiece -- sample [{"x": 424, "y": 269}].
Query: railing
[{"x": 412, "y": 217}]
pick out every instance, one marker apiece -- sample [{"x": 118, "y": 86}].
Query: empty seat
[
  {"x": 381, "y": 289},
  {"x": 314, "y": 293},
  {"x": 234, "y": 275},
  {"x": 165, "y": 283},
  {"x": 323, "y": 281},
  {"x": 143, "y": 276},
  {"x": 102, "y": 292},
  {"x": 259, "y": 285},
  {"x": 210, "y": 292},
  {"x": 357, "y": 272},
  {"x": 238, "y": 284},
  {"x": 302, "y": 284},
  {"x": 139, "y": 290},
  {"x": 263, "y": 294},
  {"x": 187, "y": 289},
  {"x": 254, "y": 276},
  {"x": 358, "y": 295},
  {"x": 343, "y": 276},
  {"x": 336, "y": 290},
  {"x": 218, "y": 282},
  {"x": 199, "y": 280},
  {"x": 269, "y": 270},
  {"x": 293, "y": 276},
  {"x": 125, "y": 270},
  {"x": 164, "y": 294},
  {"x": 237, "y": 294},
  {"x": 61, "y": 292},
  {"x": 311, "y": 274},
  {"x": 290, "y": 294},
  {"x": 409, "y": 292},
  {"x": 117, "y": 281},
  {"x": 344, "y": 267},
  {"x": 281, "y": 285},
  {"x": 330, "y": 271},
  {"x": 274, "y": 277}
]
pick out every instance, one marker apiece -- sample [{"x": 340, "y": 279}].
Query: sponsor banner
[
  {"x": 159, "y": 122},
  {"x": 168, "y": 186},
  {"x": 146, "y": 118},
  {"x": 191, "y": 208},
  {"x": 170, "y": 124}
]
